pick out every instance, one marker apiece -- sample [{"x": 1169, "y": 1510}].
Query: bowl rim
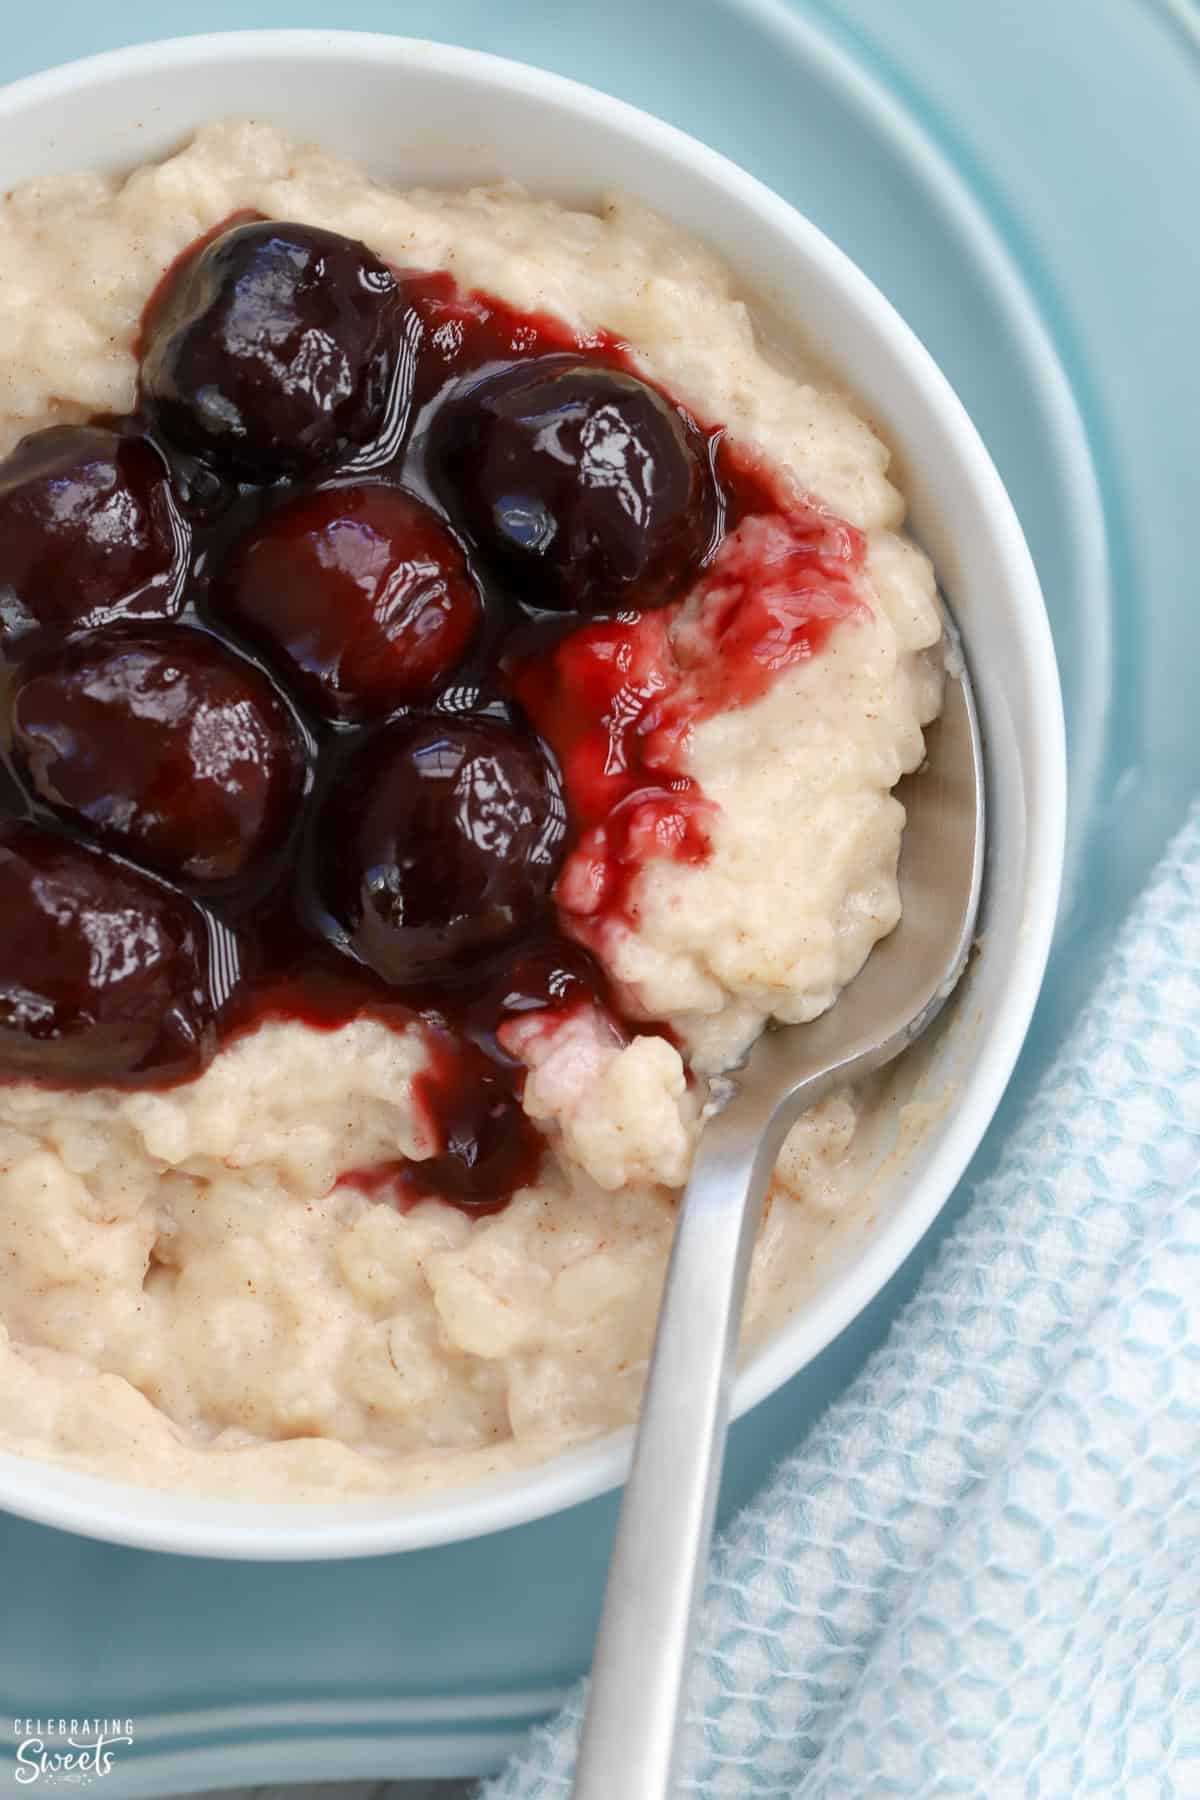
[{"x": 98, "y": 1507}]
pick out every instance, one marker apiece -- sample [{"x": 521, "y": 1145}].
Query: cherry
[
  {"x": 543, "y": 974},
  {"x": 89, "y": 533},
  {"x": 103, "y": 972},
  {"x": 272, "y": 349},
  {"x": 164, "y": 744},
  {"x": 437, "y": 843},
  {"x": 267, "y": 495},
  {"x": 489, "y": 1146},
  {"x": 359, "y": 595},
  {"x": 584, "y": 489}
]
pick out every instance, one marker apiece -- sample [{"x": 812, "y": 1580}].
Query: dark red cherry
[
  {"x": 164, "y": 744},
  {"x": 272, "y": 349},
  {"x": 437, "y": 842},
  {"x": 584, "y": 489},
  {"x": 544, "y": 974},
  {"x": 103, "y": 972},
  {"x": 89, "y": 533},
  {"x": 489, "y": 1146},
  {"x": 359, "y": 595}
]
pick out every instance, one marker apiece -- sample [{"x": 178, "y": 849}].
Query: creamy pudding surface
[{"x": 251, "y": 1264}]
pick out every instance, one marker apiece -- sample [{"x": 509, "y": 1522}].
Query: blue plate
[{"x": 1020, "y": 180}]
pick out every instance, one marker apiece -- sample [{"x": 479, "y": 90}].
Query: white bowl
[{"x": 413, "y": 112}]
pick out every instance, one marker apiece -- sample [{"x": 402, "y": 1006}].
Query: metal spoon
[{"x": 665, "y": 1526}]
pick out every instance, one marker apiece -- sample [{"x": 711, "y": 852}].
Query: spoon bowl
[{"x": 666, "y": 1518}]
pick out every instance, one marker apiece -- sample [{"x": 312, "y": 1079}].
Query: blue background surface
[{"x": 1020, "y": 179}]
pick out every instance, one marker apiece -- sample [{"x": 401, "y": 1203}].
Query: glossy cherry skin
[
  {"x": 89, "y": 533},
  {"x": 360, "y": 597},
  {"x": 103, "y": 972},
  {"x": 437, "y": 843},
  {"x": 490, "y": 1147},
  {"x": 584, "y": 490},
  {"x": 272, "y": 349},
  {"x": 542, "y": 974},
  {"x": 163, "y": 744}
]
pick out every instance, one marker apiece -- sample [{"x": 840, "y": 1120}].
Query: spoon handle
[{"x": 666, "y": 1519}]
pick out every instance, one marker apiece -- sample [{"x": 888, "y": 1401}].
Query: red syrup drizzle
[
  {"x": 615, "y": 698},
  {"x": 618, "y": 699}
]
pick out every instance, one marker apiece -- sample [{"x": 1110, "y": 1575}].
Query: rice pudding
[{"x": 456, "y": 675}]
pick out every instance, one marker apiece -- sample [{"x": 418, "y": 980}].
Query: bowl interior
[{"x": 413, "y": 113}]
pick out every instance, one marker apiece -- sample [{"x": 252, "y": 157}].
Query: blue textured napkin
[{"x": 980, "y": 1575}]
